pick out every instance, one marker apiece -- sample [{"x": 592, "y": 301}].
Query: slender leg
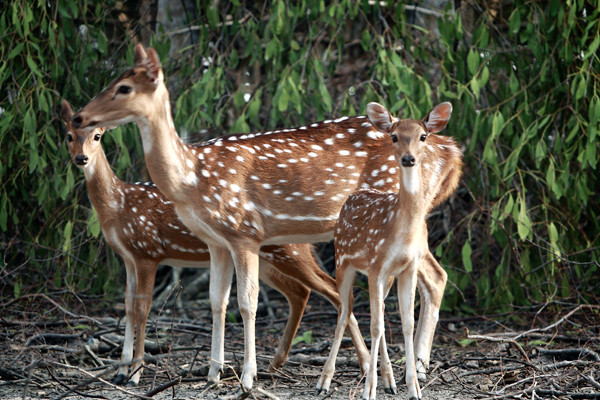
[
  {"x": 406, "y": 300},
  {"x": 387, "y": 373},
  {"x": 146, "y": 273},
  {"x": 297, "y": 296},
  {"x": 246, "y": 267},
  {"x": 127, "y": 353},
  {"x": 317, "y": 280},
  {"x": 345, "y": 278},
  {"x": 221, "y": 275},
  {"x": 377, "y": 289},
  {"x": 431, "y": 283}
]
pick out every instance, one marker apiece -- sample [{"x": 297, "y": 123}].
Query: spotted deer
[
  {"x": 240, "y": 191},
  {"x": 384, "y": 235},
  {"x": 141, "y": 226}
]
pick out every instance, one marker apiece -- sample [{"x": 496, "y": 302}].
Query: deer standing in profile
[
  {"x": 241, "y": 191},
  {"x": 384, "y": 235},
  {"x": 141, "y": 226}
]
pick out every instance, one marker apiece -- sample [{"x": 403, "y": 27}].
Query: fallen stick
[{"x": 498, "y": 340}]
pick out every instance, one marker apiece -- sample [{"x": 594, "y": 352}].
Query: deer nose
[
  {"x": 76, "y": 121},
  {"x": 408, "y": 161},
  {"x": 81, "y": 159}
]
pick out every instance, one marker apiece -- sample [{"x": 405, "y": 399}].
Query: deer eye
[
  {"x": 124, "y": 89},
  {"x": 423, "y": 137},
  {"x": 69, "y": 138},
  {"x": 97, "y": 137},
  {"x": 394, "y": 138}
]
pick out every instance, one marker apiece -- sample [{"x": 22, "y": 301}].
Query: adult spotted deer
[
  {"x": 142, "y": 227},
  {"x": 240, "y": 191},
  {"x": 384, "y": 235}
]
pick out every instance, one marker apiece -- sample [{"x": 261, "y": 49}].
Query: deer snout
[
  {"x": 408, "y": 160},
  {"x": 81, "y": 159}
]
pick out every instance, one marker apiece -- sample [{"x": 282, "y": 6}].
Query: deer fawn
[
  {"x": 142, "y": 227},
  {"x": 240, "y": 191},
  {"x": 384, "y": 235}
]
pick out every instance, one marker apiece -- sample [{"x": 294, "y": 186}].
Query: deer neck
[
  {"x": 411, "y": 196},
  {"x": 103, "y": 186},
  {"x": 168, "y": 159}
]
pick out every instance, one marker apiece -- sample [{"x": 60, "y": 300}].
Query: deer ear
[
  {"x": 139, "y": 55},
  {"x": 153, "y": 64},
  {"x": 380, "y": 117},
  {"x": 65, "y": 111},
  {"x": 438, "y": 118}
]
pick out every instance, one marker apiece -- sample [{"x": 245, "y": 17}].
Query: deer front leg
[
  {"x": 387, "y": 373},
  {"x": 431, "y": 281},
  {"x": 146, "y": 273},
  {"x": 246, "y": 267},
  {"x": 345, "y": 279},
  {"x": 406, "y": 303},
  {"x": 377, "y": 289},
  {"x": 221, "y": 275},
  {"x": 127, "y": 352}
]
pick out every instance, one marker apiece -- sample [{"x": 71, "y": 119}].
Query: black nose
[
  {"x": 408, "y": 161},
  {"x": 76, "y": 121},
  {"x": 81, "y": 160}
]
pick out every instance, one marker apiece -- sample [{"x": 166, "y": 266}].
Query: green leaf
[
  {"x": 33, "y": 66},
  {"x": 271, "y": 50},
  {"x": 473, "y": 61},
  {"x": 466, "y": 257},
  {"x": 93, "y": 224},
  {"x": 305, "y": 338},
  {"x": 514, "y": 23},
  {"x": 67, "y": 231},
  {"x": 15, "y": 52},
  {"x": 593, "y": 47},
  {"x": 325, "y": 97},
  {"x": 284, "y": 98},
  {"x": 497, "y": 124},
  {"x": 523, "y": 221}
]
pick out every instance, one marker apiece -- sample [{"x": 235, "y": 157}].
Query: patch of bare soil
[{"x": 48, "y": 351}]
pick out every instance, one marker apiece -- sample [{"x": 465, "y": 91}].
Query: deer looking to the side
[
  {"x": 384, "y": 235},
  {"x": 240, "y": 191},
  {"x": 142, "y": 227}
]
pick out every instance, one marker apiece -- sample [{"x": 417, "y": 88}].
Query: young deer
[
  {"x": 384, "y": 235},
  {"x": 142, "y": 227},
  {"x": 240, "y": 191}
]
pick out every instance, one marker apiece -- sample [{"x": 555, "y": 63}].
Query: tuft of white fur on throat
[
  {"x": 411, "y": 179},
  {"x": 89, "y": 170},
  {"x": 146, "y": 133}
]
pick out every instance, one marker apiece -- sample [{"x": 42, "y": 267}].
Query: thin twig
[{"x": 500, "y": 340}]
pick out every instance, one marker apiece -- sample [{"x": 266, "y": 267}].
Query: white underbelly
[{"x": 284, "y": 239}]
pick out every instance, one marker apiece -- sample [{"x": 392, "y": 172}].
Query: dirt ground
[{"x": 51, "y": 350}]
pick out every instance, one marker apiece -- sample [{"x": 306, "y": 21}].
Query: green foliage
[
  {"x": 523, "y": 227},
  {"x": 49, "y": 234},
  {"x": 306, "y": 337}
]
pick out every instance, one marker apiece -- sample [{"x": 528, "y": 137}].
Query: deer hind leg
[
  {"x": 246, "y": 267},
  {"x": 406, "y": 301},
  {"x": 297, "y": 296},
  {"x": 221, "y": 275},
  {"x": 431, "y": 283},
  {"x": 130, "y": 299},
  {"x": 345, "y": 278},
  {"x": 146, "y": 273},
  {"x": 317, "y": 280}
]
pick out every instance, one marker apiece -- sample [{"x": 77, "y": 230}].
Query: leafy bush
[{"x": 523, "y": 228}]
